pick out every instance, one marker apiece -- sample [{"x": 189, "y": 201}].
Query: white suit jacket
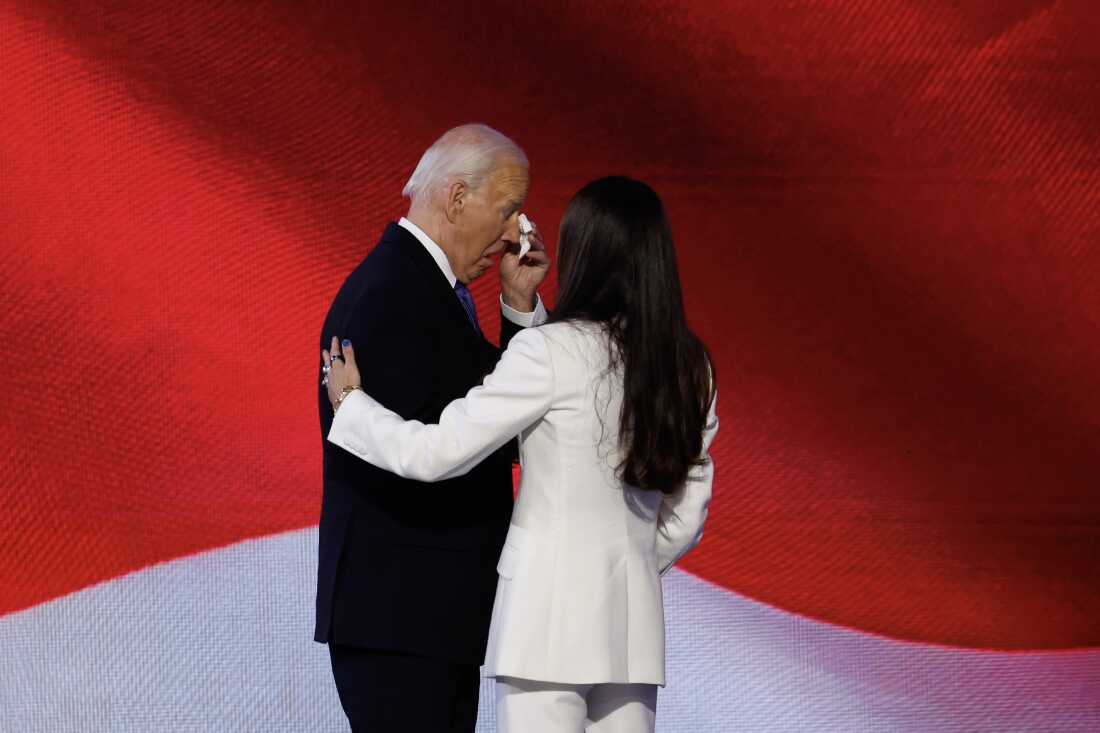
[{"x": 579, "y": 597}]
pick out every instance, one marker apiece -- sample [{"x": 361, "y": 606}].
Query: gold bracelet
[{"x": 344, "y": 393}]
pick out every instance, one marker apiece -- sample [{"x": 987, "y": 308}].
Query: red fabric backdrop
[{"x": 888, "y": 217}]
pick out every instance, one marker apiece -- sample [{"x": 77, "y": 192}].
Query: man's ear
[{"x": 457, "y": 193}]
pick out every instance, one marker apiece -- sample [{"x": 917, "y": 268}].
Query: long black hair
[{"x": 617, "y": 267}]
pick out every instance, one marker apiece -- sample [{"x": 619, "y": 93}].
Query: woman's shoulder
[
  {"x": 575, "y": 342},
  {"x": 572, "y": 331}
]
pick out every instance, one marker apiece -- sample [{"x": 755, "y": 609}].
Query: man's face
[{"x": 490, "y": 220}]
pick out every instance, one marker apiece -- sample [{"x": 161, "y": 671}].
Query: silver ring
[
  {"x": 332, "y": 359},
  {"x": 325, "y": 369}
]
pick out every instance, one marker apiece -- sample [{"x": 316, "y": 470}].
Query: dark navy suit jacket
[{"x": 403, "y": 565}]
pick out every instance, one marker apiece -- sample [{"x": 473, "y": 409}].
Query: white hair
[{"x": 467, "y": 152}]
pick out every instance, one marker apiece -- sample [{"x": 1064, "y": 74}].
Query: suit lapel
[{"x": 450, "y": 306}]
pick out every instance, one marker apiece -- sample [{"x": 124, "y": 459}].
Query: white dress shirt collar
[
  {"x": 434, "y": 250},
  {"x": 535, "y": 318}
]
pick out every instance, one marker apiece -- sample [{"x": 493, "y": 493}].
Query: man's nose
[{"x": 511, "y": 229}]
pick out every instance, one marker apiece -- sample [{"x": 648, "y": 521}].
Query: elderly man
[{"x": 407, "y": 571}]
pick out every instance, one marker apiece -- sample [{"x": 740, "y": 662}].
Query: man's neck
[{"x": 430, "y": 225}]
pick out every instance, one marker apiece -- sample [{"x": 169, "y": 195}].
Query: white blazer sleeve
[
  {"x": 517, "y": 393},
  {"x": 680, "y": 521}
]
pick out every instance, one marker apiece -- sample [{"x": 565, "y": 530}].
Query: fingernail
[{"x": 345, "y": 342}]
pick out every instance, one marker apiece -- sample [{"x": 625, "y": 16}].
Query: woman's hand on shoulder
[{"x": 341, "y": 372}]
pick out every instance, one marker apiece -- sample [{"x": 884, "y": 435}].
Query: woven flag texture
[{"x": 887, "y": 215}]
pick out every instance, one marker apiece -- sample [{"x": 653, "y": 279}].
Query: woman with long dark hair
[{"x": 613, "y": 401}]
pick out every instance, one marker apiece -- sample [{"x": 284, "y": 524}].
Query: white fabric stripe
[
  {"x": 736, "y": 666},
  {"x": 222, "y": 641}
]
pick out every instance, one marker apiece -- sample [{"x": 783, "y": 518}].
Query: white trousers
[{"x": 530, "y": 706}]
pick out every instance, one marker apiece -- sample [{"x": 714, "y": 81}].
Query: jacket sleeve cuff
[{"x": 537, "y": 317}]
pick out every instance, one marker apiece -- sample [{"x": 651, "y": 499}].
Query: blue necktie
[{"x": 467, "y": 301}]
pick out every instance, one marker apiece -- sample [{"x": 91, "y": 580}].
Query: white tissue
[{"x": 525, "y": 228}]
